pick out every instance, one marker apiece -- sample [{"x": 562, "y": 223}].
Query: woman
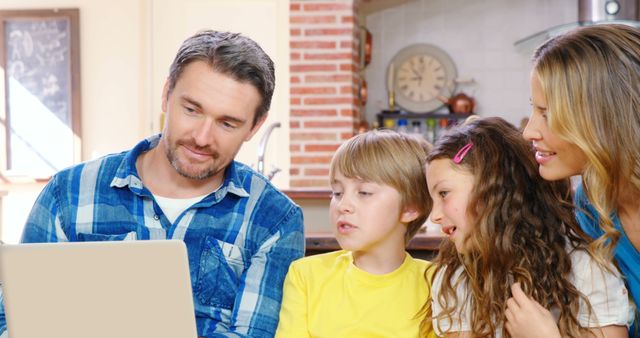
[{"x": 585, "y": 93}]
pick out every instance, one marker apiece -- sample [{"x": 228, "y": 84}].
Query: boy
[{"x": 372, "y": 287}]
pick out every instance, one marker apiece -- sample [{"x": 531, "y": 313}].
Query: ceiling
[{"x": 371, "y": 6}]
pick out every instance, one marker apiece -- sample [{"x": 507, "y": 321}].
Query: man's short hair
[{"x": 233, "y": 55}]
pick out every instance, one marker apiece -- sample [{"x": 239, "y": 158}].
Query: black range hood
[{"x": 590, "y": 12}]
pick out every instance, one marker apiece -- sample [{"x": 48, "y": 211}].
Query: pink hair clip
[{"x": 462, "y": 153}]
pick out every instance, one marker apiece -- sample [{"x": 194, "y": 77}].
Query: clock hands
[
  {"x": 417, "y": 76},
  {"x": 423, "y": 72}
]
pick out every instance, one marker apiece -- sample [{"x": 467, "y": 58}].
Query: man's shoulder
[
  {"x": 271, "y": 211},
  {"x": 259, "y": 187},
  {"x": 105, "y": 165},
  {"x": 78, "y": 183}
]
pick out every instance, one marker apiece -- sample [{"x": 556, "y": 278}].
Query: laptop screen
[{"x": 97, "y": 289}]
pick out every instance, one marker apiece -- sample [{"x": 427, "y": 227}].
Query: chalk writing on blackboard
[
  {"x": 38, "y": 58},
  {"x": 37, "y": 53}
]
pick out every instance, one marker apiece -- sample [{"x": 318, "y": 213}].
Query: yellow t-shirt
[{"x": 328, "y": 296}]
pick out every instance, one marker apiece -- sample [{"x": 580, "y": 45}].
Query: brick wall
[{"x": 324, "y": 76}]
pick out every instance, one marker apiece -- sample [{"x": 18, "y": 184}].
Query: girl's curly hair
[{"x": 523, "y": 228}]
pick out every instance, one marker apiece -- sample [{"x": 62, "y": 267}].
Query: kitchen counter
[
  {"x": 315, "y": 208},
  {"x": 422, "y": 246},
  {"x": 318, "y": 233},
  {"x": 308, "y": 194},
  {"x": 324, "y": 241}
]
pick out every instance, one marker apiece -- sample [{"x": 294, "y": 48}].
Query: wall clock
[{"x": 418, "y": 75}]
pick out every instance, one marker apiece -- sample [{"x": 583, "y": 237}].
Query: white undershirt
[{"x": 173, "y": 207}]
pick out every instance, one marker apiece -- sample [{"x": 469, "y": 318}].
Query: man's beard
[{"x": 175, "y": 163}]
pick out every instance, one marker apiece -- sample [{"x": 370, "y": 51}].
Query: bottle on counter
[
  {"x": 431, "y": 130},
  {"x": 416, "y": 128},
  {"x": 403, "y": 126},
  {"x": 389, "y": 124},
  {"x": 442, "y": 128},
  {"x": 375, "y": 125}
]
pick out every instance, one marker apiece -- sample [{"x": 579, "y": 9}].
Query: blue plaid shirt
[{"x": 240, "y": 239}]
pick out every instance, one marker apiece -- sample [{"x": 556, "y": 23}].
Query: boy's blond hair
[{"x": 390, "y": 158}]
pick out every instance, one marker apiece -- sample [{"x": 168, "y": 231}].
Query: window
[{"x": 39, "y": 60}]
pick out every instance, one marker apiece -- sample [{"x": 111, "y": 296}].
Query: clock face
[
  {"x": 421, "y": 73},
  {"x": 421, "y": 78}
]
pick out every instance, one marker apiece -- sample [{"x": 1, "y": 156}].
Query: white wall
[
  {"x": 479, "y": 35},
  {"x": 266, "y": 22},
  {"x": 112, "y": 94},
  {"x": 126, "y": 47}
]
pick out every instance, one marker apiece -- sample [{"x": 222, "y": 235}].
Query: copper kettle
[{"x": 460, "y": 103}]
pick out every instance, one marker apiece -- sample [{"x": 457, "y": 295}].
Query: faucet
[{"x": 262, "y": 147}]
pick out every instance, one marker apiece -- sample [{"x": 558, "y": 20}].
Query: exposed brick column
[{"x": 324, "y": 78}]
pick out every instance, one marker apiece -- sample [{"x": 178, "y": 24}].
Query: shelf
[
  {"x": 430, "y": 125},
  {"x": 403, "y": 115}
]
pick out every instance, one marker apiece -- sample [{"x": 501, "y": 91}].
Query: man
[{"x": 241, "y": 233}]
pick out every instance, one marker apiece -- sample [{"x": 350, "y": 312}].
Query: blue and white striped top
[{"x": 240, "y": 238}]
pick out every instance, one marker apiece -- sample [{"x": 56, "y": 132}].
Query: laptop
[{"x": 98, "y": 289}]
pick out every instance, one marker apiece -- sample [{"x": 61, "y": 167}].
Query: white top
[
  {"x": 605, "y": 291},
  {"x": 173, "y": 207}
]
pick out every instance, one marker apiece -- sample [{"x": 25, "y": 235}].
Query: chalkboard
[{"x": 41, "y": 90}]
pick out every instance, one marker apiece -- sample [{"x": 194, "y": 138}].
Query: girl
[
  {"x": 507, "y": 225},
  {"x": 585, "y": 93}
]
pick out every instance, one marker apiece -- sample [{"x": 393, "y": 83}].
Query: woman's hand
[{"x": 526, "y": 318}]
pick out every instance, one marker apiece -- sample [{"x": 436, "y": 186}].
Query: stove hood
[{"x": 590, "y": 12}]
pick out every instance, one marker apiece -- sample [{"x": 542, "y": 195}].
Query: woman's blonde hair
[
  {"x": 591, "y": 81},
  {"x": 390, "y": 158}
]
